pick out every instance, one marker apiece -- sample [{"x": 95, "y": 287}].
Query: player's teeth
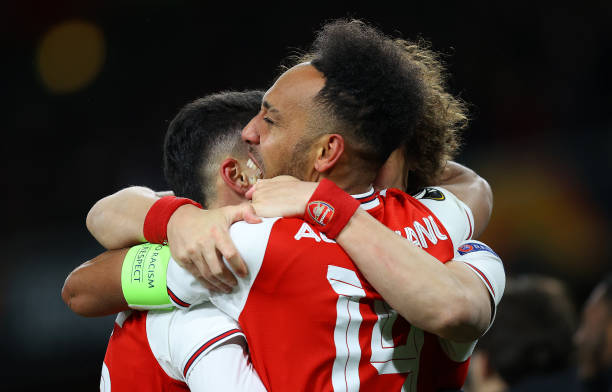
[{"x": 250, "y": 164}]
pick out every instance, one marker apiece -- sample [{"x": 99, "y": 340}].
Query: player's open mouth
[{"x": 258, "y": 173}]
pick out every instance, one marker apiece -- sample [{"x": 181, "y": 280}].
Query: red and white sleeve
[
  {"x": 184, "y": 289},
  {"x": 489, "y": 268},
  {"x": 454, "y": 214},
  {"x": 202, "y": 347},
  {"x": 486, "y": 264}
]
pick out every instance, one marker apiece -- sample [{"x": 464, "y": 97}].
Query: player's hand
[
  {"x": 281, "y": 196},
  {"x": 199, "y": 239}
]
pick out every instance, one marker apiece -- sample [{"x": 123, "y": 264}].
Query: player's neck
[
  {"x": 226, "y": 196},
  {"x": 351, "y": 181}
]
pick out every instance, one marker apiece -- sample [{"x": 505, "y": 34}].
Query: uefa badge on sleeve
[
  {"x": 474, "y": 247},
  {"x": 320, "y": 212},
  {"x": 465, "y": 248}
]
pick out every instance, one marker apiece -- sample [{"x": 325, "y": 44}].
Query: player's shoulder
[
  {"x": 201, "y": 320},
  {"x": 249, "y": 236},
  {"x": 176, "y": 335},
  {"x": 427, "y": 195},
  {"x": 436, "y": 193},
  {"x": 454, "y": 214},
  {"x": 252, "y": 237},
  {"x": 199, "y": 327},
  {"x": 243, "y": 230}
]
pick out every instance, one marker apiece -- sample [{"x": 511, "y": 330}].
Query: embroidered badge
[
  {"x": 320, "y": 211},
  {"x": 474, "y": 247},
  {"x": 433, "y": 194}
]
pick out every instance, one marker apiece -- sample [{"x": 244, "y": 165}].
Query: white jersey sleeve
[
  {"x": 487, "y": 265},
  {"x": 183, "y": 288},
  {"x": 202, "y": 347},
  {"x": 455, "y": 215},
  {"x": 226, "y": 368},
  {"x": 251, "y": 241}
]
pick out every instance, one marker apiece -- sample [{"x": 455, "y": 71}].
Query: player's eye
[{"x": 266, "y": 119}]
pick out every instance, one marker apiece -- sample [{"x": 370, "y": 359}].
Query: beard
[{"x": 297, "y": 164}]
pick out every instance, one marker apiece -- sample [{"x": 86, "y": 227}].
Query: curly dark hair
[
  {"x": 437, "y": 136},
  {"x": 202, "y": 131},
  {"x": 371, "y": 91}
]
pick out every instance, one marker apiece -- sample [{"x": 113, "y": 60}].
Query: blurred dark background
[{"x": 88, "y": 89}]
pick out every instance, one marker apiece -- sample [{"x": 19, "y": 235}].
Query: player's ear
[
  {"x": 329, "y": 149},
  {"x": 233, "y": 175}
]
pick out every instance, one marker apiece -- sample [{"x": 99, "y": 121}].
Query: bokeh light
[{"x": 70, "y": 56}]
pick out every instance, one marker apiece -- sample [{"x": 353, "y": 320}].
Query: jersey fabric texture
[
  {"x": 199, "y": 350},
  {"x": 313, "y": 322}
]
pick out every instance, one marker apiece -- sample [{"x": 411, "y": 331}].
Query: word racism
[{"x": 138, "y": 271}]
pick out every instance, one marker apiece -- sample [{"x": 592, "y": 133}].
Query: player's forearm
[
  {"x": 94, "y": 288},
  {"x": 424, "y": 291},
  {"x": 116, "y": 221},
  {"x": 471, "y": 189}
]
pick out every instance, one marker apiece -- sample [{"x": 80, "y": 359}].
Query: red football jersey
[
  {"x": 312, "y": 320},
  {"x": 200, "y": 349},
  {"x": 129, "y": 363}
]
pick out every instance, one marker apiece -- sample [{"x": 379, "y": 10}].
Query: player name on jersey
[{"x": 419, "y": 233}]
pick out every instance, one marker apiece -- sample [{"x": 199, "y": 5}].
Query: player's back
[
  {"x": 170, "y": 351},
  {"x": 129, "y": 363},
  {"x": 312, "y": 320}
]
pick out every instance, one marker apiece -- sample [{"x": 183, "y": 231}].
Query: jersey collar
[{"x": 368, "y": 199}]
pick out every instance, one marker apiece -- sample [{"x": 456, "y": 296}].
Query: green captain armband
[{"x": 143, "y": 277}]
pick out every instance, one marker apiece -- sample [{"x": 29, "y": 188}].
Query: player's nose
[{"x": 250, "y": 133}]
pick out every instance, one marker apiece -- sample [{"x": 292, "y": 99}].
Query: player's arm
[
  {"x": 286, "y": 196},
  {"x": 116, "y": 221},
  {"x": 449, "y": 300},
  {"x": 131, "y": 278},
  {"x": 198, "y": 244},
  {"x": 472, "y": 190},
  {"x": 147, "y": 277},
  {"x": 94, "y": 288}
]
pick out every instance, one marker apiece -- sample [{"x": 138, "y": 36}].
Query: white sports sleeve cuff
[
  {"x": 183, "y": 288},
  {"x": 486, "y": 264}
]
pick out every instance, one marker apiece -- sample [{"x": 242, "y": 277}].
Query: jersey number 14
[{"x": 387, "y": 357}]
